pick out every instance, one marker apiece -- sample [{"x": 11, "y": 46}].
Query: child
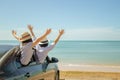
[{"x": 43, "y": 48}]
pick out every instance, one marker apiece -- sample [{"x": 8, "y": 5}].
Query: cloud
[
  {"x": 72, "y": 34},
  {"x": 92, "y": 34},
  {"x": 5, "y": 35}
]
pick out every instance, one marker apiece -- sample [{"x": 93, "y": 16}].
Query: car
[{"x": 11, "y": 68}]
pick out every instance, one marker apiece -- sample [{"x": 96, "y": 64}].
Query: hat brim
[
  {"x": 25, "y": 39},
  {"x": 44, "y": 42}
]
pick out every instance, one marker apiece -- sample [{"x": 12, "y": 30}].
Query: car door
[
  {"x": 30, "y": 71},
  {"x": 45, "y": 74}
]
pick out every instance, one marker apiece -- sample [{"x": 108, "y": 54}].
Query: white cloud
[
  {"x": 5, "y": 35},
  {"x": 92, "y": 34},
  {"x": 73, "y": 34}
]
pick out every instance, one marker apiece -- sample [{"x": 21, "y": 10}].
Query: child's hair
[
  {"x": 43, "y": 45},
  {"x": 29, "y": 40}
]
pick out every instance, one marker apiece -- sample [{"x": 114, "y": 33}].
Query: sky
[{"x": 81, "y": 19}]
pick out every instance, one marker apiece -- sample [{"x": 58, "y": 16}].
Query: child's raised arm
[
  {"x": 61, "y": 32},
  {"x": 48, "y": 31}
]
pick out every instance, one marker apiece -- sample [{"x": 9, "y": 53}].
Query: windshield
[{"x": 4, "y": 48}]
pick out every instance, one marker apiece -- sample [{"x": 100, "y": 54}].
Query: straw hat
[
  {"x": 25, "y": 36},
  {"x": 44, "y": 41}
]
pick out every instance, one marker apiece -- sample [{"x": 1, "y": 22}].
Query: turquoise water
[
  {"x": 83, "y": 52},
  {"x": 88, "y": 52}
]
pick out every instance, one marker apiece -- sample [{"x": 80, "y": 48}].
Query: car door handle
[{"x": 27, "y": 74}]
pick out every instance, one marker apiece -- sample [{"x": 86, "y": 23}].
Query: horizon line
[{"x": 71, "y": 40}]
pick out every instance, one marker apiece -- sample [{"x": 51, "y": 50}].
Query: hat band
[
  {"x": 44, "y": 41},
  {"x": 25, "y": 36}
]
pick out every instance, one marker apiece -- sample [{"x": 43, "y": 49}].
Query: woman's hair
[{"x": 29, "y": 40}]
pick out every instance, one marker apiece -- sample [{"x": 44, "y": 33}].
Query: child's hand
[
  {"x": 48, "y": 31},
  {"x": 61, "y": 32},
  {"x": 30, "y": 27}
]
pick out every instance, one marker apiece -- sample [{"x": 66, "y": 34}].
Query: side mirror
[{"x": 54, "y": 60}]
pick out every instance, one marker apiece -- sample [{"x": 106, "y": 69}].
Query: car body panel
[
  {"x": 12, "y": 70},
  {"x": 49, "y": 75}
]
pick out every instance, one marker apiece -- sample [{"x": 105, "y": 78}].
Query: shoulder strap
[
  {"x": 35, "y": 56},
  {"x": 18, "y": 55}
]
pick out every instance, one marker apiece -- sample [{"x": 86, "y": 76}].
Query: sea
[{"x": 80, "y": 52}]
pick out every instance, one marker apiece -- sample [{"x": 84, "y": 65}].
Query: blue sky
[{"x": 81, "y": 19}]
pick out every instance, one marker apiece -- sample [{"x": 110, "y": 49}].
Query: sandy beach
[
  {"x": 84, "y": 75},
  {"x": 89, "y": 72}
]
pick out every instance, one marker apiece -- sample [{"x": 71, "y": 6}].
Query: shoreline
[
  {"x": 89, "y": 72},
  {"x": 89, "y": 68}
]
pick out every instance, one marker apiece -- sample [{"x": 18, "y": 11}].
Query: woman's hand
[
  {"x": 30, "y": 27},
  {"x": 14, "y": 32},
  {"x": 61, "y": 32}
]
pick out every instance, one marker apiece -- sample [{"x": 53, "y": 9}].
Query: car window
[{"x": 4, "y": 49}]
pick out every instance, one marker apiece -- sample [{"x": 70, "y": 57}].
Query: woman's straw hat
[{"x": 25, "y": 36}]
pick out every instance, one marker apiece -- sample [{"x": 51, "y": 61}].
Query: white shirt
[
  {"x": 26, "y": 53},
  {"x": 42, "y": 52}
]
